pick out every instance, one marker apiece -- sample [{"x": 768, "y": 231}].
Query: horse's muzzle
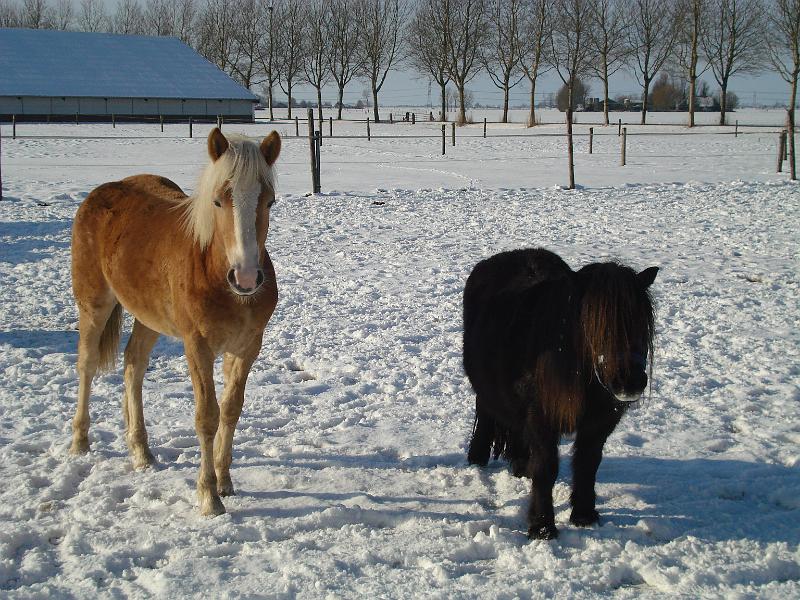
[{"x": 243, "y": 286}]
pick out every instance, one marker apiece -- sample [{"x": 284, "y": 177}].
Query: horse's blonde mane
[{"x": 241, "y": 164}]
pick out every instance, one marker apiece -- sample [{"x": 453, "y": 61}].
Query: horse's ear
[
  {"x": 271, "y": 147},
  {"x": 217, "y": 144},
  {"x": 648, "y": 276}
]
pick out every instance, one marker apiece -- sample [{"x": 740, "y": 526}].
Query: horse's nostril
[
  {"x": 259, "y": 278},
  {"x": 231, "y": 277}
]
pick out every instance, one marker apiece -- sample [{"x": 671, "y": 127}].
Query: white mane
[{"x": 242, "y": 164}]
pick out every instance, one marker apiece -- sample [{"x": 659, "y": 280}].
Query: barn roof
[{"x": 39, "y": 62}]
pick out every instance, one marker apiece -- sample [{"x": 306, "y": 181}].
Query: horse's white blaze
[{"x": 244, "y": 261}]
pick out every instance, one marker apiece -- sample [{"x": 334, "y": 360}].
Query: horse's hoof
[
  {"x": 142, "y": 458},
  {"x": 79, "y": 447},
  {"x": 225, "y": 487},
  {"x": 212, "y": 507},
  {"x": 542, "y": 532},
  {"x": 584, "y": 518}
]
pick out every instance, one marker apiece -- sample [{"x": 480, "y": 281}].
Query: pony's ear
[
  {"x": 648, "y": 276},
  {"x": 217, "y": 144},
  {"x": 271, "y": 147}
]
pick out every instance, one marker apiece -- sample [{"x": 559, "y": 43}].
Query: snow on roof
[{"x": 38, "y": 62}]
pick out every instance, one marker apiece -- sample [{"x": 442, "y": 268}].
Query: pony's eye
[{"x": 217, "y": 203}]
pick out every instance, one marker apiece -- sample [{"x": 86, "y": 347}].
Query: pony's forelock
[{"x": 241, "y": 164}]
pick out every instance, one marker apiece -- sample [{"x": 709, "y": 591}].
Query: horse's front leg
[
  {"x": 543, "y": 470},
  {"x": 587, "y": 453},
  {"x": 236, "y": 367},
  {"x": 206, "y": 420}
]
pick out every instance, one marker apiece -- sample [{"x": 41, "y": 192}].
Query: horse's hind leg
[
  {"x": 235, "y": 368},
  {"x": 543, "y": 469},
  {"x": 480, "y": 445},
  {"x": 98, "y": 329},
  {"x": 137, "y": 354}
]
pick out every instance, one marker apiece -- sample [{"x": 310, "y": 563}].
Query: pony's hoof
[
  {"x": 225, "y": 487},
  {"x": 212, "y": 507},
  {"x": 79, "y": 447},
  {"x": 542, "y": 532},
  {"x": 142, "y": 458},
  {"x": 584, "y": 518}
]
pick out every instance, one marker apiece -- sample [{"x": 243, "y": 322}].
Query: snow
[{"x": 349, "y": 459}]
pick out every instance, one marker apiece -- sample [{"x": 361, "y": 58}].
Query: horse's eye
[
  {"x": 217, "y": 203},
  {"x": 271, "y": 202}
]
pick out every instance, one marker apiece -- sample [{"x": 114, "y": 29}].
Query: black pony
[{"x": 548, "y": 351}]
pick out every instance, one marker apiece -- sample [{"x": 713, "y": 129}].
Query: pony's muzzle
[{"x": 245, "y": 282}]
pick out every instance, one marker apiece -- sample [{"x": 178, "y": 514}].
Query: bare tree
[
  {"x": 92, "y": 16},
  {"x": 291, "y": 47},
  {"x": 269, "y": 56},
  {"x": 173, "y": 18},
  {"x": 35, "y": 14},
  {"x": 344, "y": 44},
  {"x": 502, "y": 51},
  {"x": 250, "y": 26},
  {"x": 783, "y": 35},
  {"x": 466, "y": 33},
  {"x": 687, "y": 46},
  {"x": 216, "y": 33},
  {"x": 427, "y": 52},
  {"x": 316, "y": 61},
  {"x": 534, "y": 38},
  {"x": 9, "y": 15},
  {"x": 381, "y": 28},
  {"x": 570, "y": 53},
  {"x": 733, "y": 42},
  {"x": 651, "y": 36},
  {"x": 63, "y": 14},
  {"x": 128, "y": 18},
  {"x": 608, "y": 42}
]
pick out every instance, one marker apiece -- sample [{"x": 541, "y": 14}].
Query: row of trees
[{"x": 282, "y": 43}]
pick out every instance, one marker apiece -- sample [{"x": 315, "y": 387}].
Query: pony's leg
[
  {"x": 236, "y": 368},
  {"x": 137, "y": 355},
  {"x": 92, "y": 320},
  {"x": 206, "y": 420},
  {"x": 543, "y": 470},
  {"x": 480, "y": 445},
  {"x": 586, "y": 456}
]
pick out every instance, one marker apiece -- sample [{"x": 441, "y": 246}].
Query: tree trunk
[
  {"x": 375, "y": 104},
  {"x": 532, "y": 114},
  {"x": 645, "y": 100},
  {"x": 505, "y": 102},
  {"x": 605, "y": 98},
  {"x": 289, "y": 95},
  {"x": 462, "y": 110},
  {"x": 692, "y": 88},
  {"x": 443, "y": 113},
  {"x": 319, "y": 102},
  {"x": 569, "y": 140},
  {"x": 269, "y": 99},
  {"x": 723, "y": 102},
  {"x": 341, "y": 101},
  {"x": 790, "y": 141}
]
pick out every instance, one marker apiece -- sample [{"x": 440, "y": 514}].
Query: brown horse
[{"x": 191, "y": 267}]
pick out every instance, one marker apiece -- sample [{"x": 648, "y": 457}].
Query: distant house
[{"x": 60, "y": 74}]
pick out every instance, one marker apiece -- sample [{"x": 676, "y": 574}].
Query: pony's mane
[
  {"x": 241, "y": 164},
  {"x": 615, "y": 313}
]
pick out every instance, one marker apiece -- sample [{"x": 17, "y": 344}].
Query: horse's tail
[{"x": 109, "y": 340}]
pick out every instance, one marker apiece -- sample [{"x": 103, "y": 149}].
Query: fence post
[
  {"x": 624, "y": 141},
  {"x": 190, "y": 127},
  {"x": 736, "y": 131},
  {"x": 391, "y": 120},
  {"x": 312, "y": 150},
  {"x": 368, "y": 135},
  {"x": 413, "y": 118},
  {"x": 76, "y": 118},
  {"x": 454, "y": 132},
  {"x": 484, "y": 126},
  {"x": 619, "y": 128},
  {"x": 591, "y": 138},
  {"x": 13, "y": 127},
  {"x": 444, "y": 138},
  {"x": 113, "y": 120},
  {"x": 296, "y": 127},
  {"x": 161, "y": 118},
  {"x": 318, "y": 139},
  {"x": 330, "y": 126},
  {"x": 781, "y": 149}
]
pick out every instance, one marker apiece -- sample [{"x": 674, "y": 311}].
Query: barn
[{"x": 47, "y": 74}]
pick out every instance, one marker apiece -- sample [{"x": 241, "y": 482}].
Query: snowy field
[{"x": 349, "y": 459}]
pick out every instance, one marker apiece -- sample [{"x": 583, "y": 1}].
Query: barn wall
[{"x": 122, "y": 107}]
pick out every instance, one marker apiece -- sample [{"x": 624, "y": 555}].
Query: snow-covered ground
[{"x": 349, "y": 459}]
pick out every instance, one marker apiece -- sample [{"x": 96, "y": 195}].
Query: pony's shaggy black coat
[{"x": 548, "y": 351}]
